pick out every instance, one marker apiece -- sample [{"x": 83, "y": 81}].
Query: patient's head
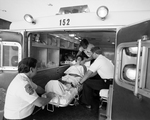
[{"x": 79, "y": 58}]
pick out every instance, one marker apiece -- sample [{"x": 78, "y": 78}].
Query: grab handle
[{"x": 137, "y": 68}]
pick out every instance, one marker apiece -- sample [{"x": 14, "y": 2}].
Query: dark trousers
[
  {"x": 27, "y": 118},
  {"x": 91, "y": 85}
]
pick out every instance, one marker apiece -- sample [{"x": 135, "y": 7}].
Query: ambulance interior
[{"x": 66, "y": 43}]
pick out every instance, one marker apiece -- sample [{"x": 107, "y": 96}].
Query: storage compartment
[
  {"x": 64, "y": 43},
  {"x": 67, "y": 56},
  {"x": 51, "y": 50},
  {"x": 44, "y": 48}
]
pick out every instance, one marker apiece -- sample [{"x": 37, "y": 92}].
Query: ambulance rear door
[{"x": 131, "y": 90}]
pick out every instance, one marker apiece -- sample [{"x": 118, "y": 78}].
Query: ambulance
[{"x": 120, "y": 28}]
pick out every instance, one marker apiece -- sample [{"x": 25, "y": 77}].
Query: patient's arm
[{"x": 50, "y": 95}]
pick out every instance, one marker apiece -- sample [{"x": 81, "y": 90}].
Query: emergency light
[
  {"x": 29, "y": 19},
  {"x": 132, "y": 51},
  {"x": 102, "y": 12},
  {"x": 74, "y": 9},
  {"x": 129, "y": 72}
]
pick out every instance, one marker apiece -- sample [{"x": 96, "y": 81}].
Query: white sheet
[{"x": 64, "y": 95}]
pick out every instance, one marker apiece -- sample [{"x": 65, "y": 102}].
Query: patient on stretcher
[{"x": 64, "y": 88}]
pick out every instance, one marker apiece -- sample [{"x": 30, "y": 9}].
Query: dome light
[
  {"x": 29, "y": 19},
  {"x": 102, "y": 12}
]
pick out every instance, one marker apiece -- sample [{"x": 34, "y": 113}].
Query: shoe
[
  {"x": 85, "y": 105},
  {"x": 88, "y": 106}
]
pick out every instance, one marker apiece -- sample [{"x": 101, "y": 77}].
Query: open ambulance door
[
  {"x": 12, "y": 49},
  {"x": 131, "y": 95},
  {"x": 11, "y": 52}
]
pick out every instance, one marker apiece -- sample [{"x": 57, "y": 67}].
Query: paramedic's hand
[
  {"x": 82, "y": 62},
  {"x": 79, "y": 86},
  {"x": 50, "y": 95}
]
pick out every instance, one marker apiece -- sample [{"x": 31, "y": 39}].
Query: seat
[
  {"x": 103, "y": 99},
  {"x": 103, "y": 96}
]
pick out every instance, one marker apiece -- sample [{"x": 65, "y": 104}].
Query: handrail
[
  {"x": 137, "y": 68},
  {"x": 109, "y": 103},
  {"x": 1, "y": 57}
]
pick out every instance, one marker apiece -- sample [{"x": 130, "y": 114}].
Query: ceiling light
[
  {"x": 113, "y": 43},
  {"x": 71, "y": 35},
  {"x": 29, "y": 19},
  {"x": 102, "y": 12},
  {"x": 76, "y": 38}
]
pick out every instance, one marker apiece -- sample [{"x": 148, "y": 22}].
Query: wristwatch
[{"x": 80, "y": 83}]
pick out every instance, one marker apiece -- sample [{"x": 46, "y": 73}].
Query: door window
[{"x": 10, "y": 55}]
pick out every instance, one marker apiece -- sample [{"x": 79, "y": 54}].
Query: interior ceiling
[{"x": 98, "y": 38}]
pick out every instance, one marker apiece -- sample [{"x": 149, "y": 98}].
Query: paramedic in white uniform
[
  {"x": 86, "y": 47},
  {"x": 105, "y": 69},
  {"x": 22, "y": 94}
]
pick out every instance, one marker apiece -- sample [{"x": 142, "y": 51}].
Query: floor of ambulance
[{"x": 78, "y": 112}]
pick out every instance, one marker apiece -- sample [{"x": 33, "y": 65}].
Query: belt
[{"x": 109, "y": 79}]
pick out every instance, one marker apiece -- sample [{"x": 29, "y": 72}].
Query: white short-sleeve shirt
[
  {"x": 87, "y": 51},
  {"x": 103, "y": 66},
  {"x": 18, "y": 102}
]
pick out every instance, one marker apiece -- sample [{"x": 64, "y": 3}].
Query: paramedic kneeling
[
  {"x": 105, "y": 69},
  {"x": 22, "y": 94}
]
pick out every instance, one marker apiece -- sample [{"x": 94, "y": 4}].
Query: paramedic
[
  {"x": 101, "y": 66},
  {"x": 22, "y": 94},
  {"x": 85, "y": 47}
]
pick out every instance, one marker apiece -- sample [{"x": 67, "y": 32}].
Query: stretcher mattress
[{"x": 63, "y": 96}]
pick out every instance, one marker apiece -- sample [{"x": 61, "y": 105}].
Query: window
[{"x": 10, "y": 55}]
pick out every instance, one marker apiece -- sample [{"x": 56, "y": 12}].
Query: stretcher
[
  {"x": 62, "y": 100},
  {"x": 64, "y": 96}
]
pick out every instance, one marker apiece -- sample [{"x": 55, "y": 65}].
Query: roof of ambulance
[{"x": 14, "y": 10}]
